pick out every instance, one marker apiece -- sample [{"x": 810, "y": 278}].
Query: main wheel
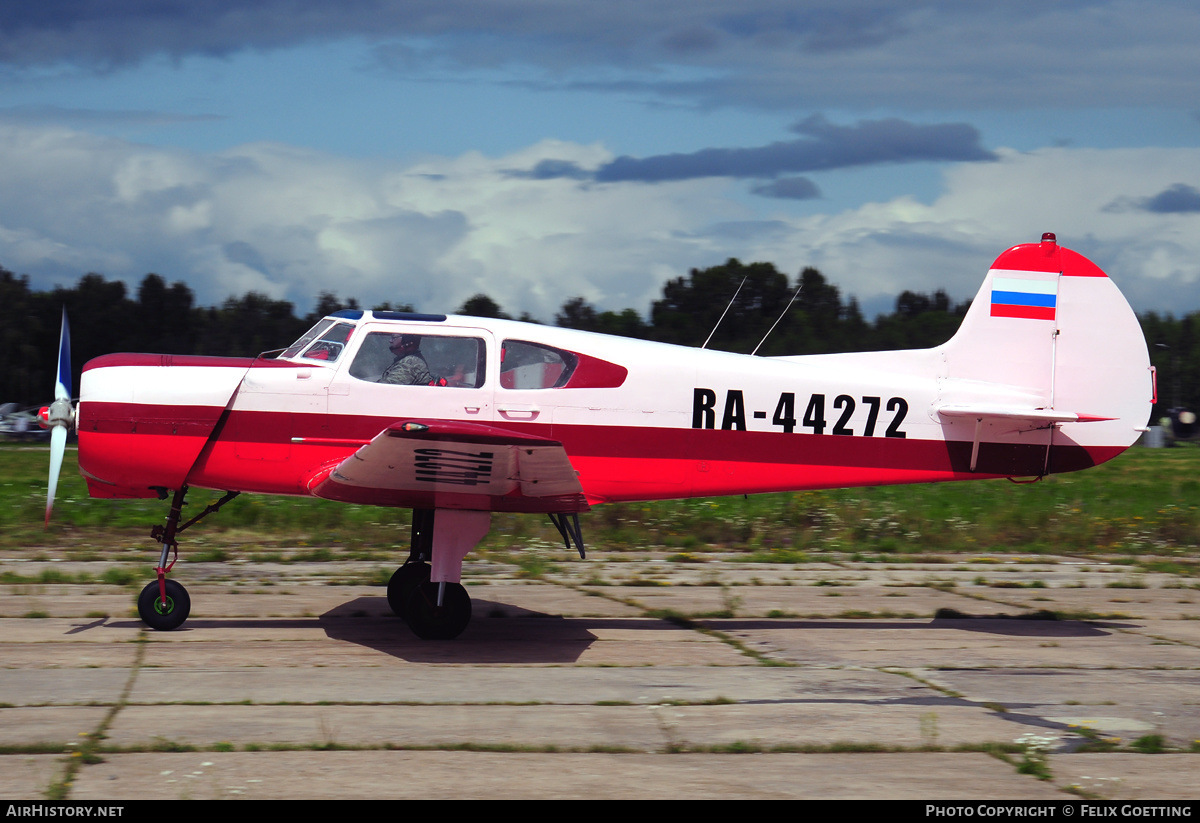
[
  {"x": 428, "y": 620},
  {"x": 164, "y": 618},
  {"x": 403, "y": 581}
]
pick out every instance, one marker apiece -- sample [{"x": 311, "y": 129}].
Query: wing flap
[{"x": 457, "y": 465}]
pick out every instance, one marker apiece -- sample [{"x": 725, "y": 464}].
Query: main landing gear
[
  {"x": 164, "y": 604},
  {"x": 426, "y": 591}
]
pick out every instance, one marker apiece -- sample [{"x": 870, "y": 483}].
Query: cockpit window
[
  {"x": 420, "y": 360},
  {"x": 329, "y": 346},
  {"x": 525, "y": 365},
  {"x": 308, "y": 337}
]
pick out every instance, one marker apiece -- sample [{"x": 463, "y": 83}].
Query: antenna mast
[
  {"x": 727, "y": 308},
  {"x": 776, "y": 323}
]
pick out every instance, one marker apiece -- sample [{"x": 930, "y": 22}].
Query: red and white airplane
[{"x": 458, "y": 417}]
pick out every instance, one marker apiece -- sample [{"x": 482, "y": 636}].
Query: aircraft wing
[{"x": 451, "y": 464}]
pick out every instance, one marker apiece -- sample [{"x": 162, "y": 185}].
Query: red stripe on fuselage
[
  {"x": 138, "y": 461},
  {"x": 145, "y": 418},
  {"x": 139, "y": 445},
  {"x": 256, "y": 453}
]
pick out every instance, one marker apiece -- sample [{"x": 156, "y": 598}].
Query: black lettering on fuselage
[
  {"x": 733, "y": 413},
  {"x": 704, "y": 401},
  {"x": 734, "y": 417},
  {"x": 900, "y": 406}
]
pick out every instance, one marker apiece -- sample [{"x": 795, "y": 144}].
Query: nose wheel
[{"x": 160, "y": 615}]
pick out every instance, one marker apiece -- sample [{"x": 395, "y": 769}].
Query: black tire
[
  {"x": 403, "y": 581},
  {"x": 158, "y": 617},
  {"x": 432, "y": 622}
]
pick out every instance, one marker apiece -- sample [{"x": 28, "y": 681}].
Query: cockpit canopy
[{"x": 452, "y": 356}]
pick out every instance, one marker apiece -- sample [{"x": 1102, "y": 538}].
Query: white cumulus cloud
[
  {"x": 293, "y": 222},
  {"x": 879, "y": 249}
]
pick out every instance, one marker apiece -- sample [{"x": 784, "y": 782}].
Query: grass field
[{"x": 1141, "y": 507}]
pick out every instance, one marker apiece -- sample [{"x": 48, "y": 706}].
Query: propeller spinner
[{"x": 59, "y": 416}]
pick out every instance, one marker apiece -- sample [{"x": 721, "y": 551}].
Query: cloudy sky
[{"x": 419, "y": 151}]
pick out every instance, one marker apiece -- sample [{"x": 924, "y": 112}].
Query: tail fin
[{"x": 1049, "y": 324}]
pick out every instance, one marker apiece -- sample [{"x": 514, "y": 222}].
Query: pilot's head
[{"x": 403, "y": 344}]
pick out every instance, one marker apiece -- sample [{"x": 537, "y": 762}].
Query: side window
[
  {"x": 420, "y": 360},
  {"x": 329, "y": 347},
  {"x": 525, "y": 365}
]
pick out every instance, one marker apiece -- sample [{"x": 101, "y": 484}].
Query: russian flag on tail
[{"x": 1018, "y": 297}]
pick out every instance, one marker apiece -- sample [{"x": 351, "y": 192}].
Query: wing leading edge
[{"x": 450, "y": 464}]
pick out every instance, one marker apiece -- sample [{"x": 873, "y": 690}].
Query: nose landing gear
[{"x": 164, "y": 604}]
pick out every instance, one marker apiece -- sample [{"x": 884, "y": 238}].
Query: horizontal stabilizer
[
  {"x": 998, "y": 418},
  {"x": 1017, "y": 414}
]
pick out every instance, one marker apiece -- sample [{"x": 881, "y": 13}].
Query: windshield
[
  {"x": 329, "y": 346},
  {"x": 308, "y": 337}
]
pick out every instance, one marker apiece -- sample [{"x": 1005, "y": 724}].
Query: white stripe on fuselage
[{"x": 161, "y": 385}]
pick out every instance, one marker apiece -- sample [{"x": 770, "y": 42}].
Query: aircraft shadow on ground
[
  {"x": 504, "y": 633},
  {"x": 988, "y": 625},
  {"x": 536, "y": 639},
  {"x": 498, "y": 633}
]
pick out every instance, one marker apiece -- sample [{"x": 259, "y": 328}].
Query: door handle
[{"x": 519, "y": 412}]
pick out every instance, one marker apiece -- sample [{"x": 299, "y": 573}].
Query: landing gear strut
[
  {"x": 426, "y": 591},
  {"x": 164, "y": 604}
]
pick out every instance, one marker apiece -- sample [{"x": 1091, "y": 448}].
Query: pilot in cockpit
[{"x": 409, "y": 368}]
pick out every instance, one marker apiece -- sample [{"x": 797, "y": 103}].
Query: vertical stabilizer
[{"x": 1051, "y": 328}]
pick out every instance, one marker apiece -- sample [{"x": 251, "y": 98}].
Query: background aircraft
[
  {"x": 20, "y": 424},
  {"x": 458, "y": 417}
]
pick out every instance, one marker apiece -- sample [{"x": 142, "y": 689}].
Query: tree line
[{"x": 164, "y": 318}]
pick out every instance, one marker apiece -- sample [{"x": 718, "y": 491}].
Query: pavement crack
[{"x": 88, "y": 752}]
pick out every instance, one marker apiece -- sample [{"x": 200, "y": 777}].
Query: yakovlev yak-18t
[{"x": 458, "y": 417}]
